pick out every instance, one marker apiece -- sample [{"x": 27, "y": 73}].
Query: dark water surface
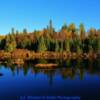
[{"x": 71, "y": 78}]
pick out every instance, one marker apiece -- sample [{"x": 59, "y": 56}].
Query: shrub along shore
[
  {"x": 19, "y": 57},
  {"x": 31, "y": 55}
]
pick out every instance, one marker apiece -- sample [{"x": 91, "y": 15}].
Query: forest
[{"x": 68, "y": 39}]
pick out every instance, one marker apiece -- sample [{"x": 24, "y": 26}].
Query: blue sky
[{"x": 35, "y": 14}]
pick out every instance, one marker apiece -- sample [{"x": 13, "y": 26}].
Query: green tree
[
  {"x": 17, "y": 32},
  {"x": 67, "y": 45},
  {"x": 10, "y": 43},
  {"x": 61, "y": 46},
  {"x": 2, "y": 44},
  {"x": 57, "y": 46},
  {"x": 82, "y": 31},
  {"x": 73, "y": 30},
  {"x": 47, "y": 42},
  {"x": 72, "y": 27},
  {"x": 95, "y": 44},
  {"x": 24, "y": 31},
  {"x": 50, "y": 28},
  {"x": 91, "y": 37},
  {"x": 42, "y": 46},
  {"x": 64, "y": 27},
  {"x": 12, "y": 31}
]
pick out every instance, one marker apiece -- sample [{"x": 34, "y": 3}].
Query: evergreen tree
[
  {"x": 10, "y": 43},
  {"x": 42, "y": 46},
  {"x": 64, "y": 27},
  {"x": 61, "y": 46},
  {"x": 24, "y": 31},
  {"x": 57, "y": 46},
  {"x": 67, "y": 45},
  {"x": 50, "y": 28},
  {"x": 82, "y": 32}
]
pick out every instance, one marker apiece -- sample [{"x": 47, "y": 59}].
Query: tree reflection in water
[{"x": 67, "y": 69}]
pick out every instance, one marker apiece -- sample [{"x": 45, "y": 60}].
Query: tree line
[{"x": 68, "y": 38}]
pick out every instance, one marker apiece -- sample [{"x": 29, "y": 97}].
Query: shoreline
[{"x": 31, "y": 55}]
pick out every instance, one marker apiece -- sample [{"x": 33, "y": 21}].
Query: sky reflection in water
[{"x": 63, "y": 81}]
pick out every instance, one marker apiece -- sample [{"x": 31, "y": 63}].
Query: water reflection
[
  {"x": 1, "y": 74},
  {"x": 67, "y": 69},
  {"x": 69, "y": 78}
]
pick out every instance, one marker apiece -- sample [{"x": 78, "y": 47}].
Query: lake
[{"x": 71, "y": 78}]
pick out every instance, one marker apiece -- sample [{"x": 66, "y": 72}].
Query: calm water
[{"x": 71, "y": 78}]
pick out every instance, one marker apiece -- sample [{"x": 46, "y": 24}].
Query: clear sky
[{"x": 35, "y": 14}]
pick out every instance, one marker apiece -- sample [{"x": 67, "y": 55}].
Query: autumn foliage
[{"x": 68, "y": 39}]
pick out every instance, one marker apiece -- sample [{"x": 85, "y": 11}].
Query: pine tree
[
  {"x": 82, "y": 32},
  {"x": 42, "y": 46},
  {"x": 61, "y": 46},
  {"x": 50, "y": 28},
  {"x": 57, "y": 46},
  {"x": 67, "y": 45},
  {"x": 10, "y": 43}
]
